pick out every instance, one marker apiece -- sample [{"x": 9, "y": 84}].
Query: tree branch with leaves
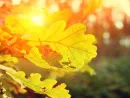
[{"x": 48, "y": 43}]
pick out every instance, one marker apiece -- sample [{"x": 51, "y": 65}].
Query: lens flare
[{"x": 38, "y": 20}]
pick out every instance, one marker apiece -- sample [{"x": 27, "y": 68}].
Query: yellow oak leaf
[
  {"x": 47, "y": 86},
  {"x": 72, "y": 43}
]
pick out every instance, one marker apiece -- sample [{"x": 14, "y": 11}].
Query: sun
[{"x": 38, "y": 20}]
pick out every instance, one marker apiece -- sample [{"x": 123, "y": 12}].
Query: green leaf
[{"x": 33, "y": 82}]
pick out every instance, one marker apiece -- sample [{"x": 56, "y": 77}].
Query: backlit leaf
[
  {"x": 72, "y": 43},
  {"x": 34, "y": 82},
  {"x": 89, "y": 69},
  {"x": 8, "y": 58}
]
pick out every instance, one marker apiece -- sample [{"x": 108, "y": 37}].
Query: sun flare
[{"x": 38, "y": 20}]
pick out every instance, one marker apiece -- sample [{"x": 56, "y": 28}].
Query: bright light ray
[
  {"x": 38, "y": 20},
  {"x": 35, "y": 17}
]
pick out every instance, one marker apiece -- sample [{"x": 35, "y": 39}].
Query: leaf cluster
[{"x": 53, "y": 46}]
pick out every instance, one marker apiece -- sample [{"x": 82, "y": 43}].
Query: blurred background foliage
[
  {"x": 110, "y": 24},
  {"x": 111, "y": 80},
  {"x": 109, "y": 21}
]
